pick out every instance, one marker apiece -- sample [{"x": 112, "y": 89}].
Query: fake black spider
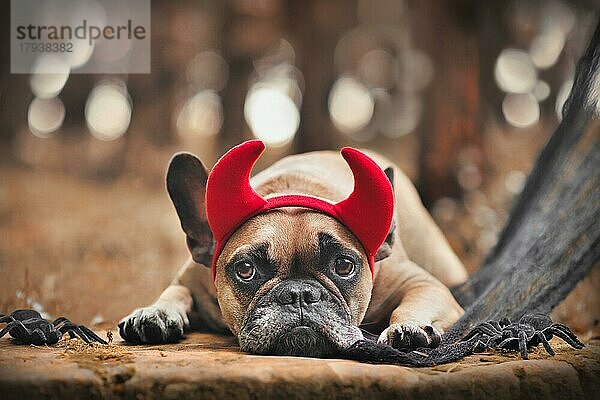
[
  {"x": 522, "y": 336},
  {"x": 28, "y": 327}
]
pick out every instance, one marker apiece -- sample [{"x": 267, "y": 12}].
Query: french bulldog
[{"x": 303, "y": 257}]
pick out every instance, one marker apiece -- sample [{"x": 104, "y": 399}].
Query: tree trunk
[
  {"x": 453, "y": 97},
  {"x": 318, "y": 25}
]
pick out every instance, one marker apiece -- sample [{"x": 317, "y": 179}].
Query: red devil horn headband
[{"x": 231, "y": 201}]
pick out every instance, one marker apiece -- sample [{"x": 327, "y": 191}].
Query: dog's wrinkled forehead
[{"x": 290, "y": 237}]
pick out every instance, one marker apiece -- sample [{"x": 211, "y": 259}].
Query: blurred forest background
[{"x": 461, "y": 94}]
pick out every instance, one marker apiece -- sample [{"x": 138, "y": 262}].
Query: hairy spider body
[
  {"x": 522, "y": 336},
  {"x": 28, "y": 327}
]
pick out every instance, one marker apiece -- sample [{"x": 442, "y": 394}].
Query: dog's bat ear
[
  {"x": 386, "y": 248},
  {"x": 186, "y": 184}
]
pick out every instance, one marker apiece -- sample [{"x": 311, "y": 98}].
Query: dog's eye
[
  {"x": 244, "y": 270},
  {"x": 344, "y": 266}
]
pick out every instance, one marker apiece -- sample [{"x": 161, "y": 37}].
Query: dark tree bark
[
  {"x": 453, "y": 120},
  {"x": 552, "y": 238},
  {"x": 318, "y": 25}
]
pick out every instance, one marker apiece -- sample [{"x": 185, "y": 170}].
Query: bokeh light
[
  {"x": 272, "y": 115},
  {"x": 469, "y": 177},
  {"x": 272, "y": 105},
  {"x": 45, "y": 116},
  {"x": 514, "y": 181},
  {"x": 108, "y": 110},
  {"x": 541, "y": 90},
  {"x": 416, "y": 71},
  {"x": 556, "y": 13},
  {"x": 207, "y": 70},
  {"x": 91, "y": 11},
  {"x": 201, "y": 115},
  {"x": 50, "y": 82},
  {"x": 515, "y": 72},
  {"x": 484, "y": 217},
  {"x": 403, "y": 117},
  {"x": 81, "y": 54},
  {"x": 351, "y": 47},
  {"x": 351, "y": 105},
  {"x": 444, "y": 209},
  {"x": 279, "y": 60},
  {"x": 378, "y": 69},
  {"x": 521, "y": 110},
  {"x": 547, "y": 47}
]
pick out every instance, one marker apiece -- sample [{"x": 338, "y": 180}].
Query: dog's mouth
[
  {"x": 308, "y": 339},
  {"x": 302, "y": 341}
]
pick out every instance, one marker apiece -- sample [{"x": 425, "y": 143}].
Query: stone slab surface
[{"x": 211, "y": 366}]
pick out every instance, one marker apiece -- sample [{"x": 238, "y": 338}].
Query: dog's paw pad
[{"x": 410, "y": 336}]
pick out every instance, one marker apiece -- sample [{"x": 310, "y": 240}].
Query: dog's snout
[{"x": 297, "y": 293}]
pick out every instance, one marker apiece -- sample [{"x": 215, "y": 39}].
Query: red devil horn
[
  {"x": 229, "y": 197},
  {"x": 369, "y": 209},
  {"x": 230, "y": 200}
]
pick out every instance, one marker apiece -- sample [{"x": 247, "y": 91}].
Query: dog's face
[
  {"x": 293, "y": 281},
  {"x": 290, "y": 281}
]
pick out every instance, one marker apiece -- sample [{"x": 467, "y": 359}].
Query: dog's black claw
[
  {"x": 152, "y": 325},
  {"x": 412, "y": 337}
]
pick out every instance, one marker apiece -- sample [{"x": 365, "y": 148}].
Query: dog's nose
[{"x": 296, "y": 293}]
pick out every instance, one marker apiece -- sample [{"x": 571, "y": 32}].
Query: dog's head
[{"x": 290, "y": 279}]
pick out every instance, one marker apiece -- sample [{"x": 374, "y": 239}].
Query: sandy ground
[
  {"x": 211, "y": 366},
  {"x": 89, "y": 251}
]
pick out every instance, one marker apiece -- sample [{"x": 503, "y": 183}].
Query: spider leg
[
  {"x": 523, "y": 345},
  {"x": 5, "y": 318},
  {"x": 565, "y": 329},
  {"x": 544, "y": 341},
  {"x": 477, "y": 331},
  {"x": 71, "y": 327},
  {"x": 496, "y": 325},
  {"x": 92, "y": 335},
  {"x": 11, "y": 325},
  {"x": 470, "y": 335},
  {"x": 59, "y": 320},
  {"x": 479, "y": 346},
  {"x": 86, "y": 334},
  {"x": 8, "y": 327},
  {"x": 571, "y": 340},
  {"x": 487, "y": 329},
  {"x": 504, "y": 322},
  {"x": 38, "y": 337},
  {"x": 59, "y": 323},
  {"x": 502, "y": 344},
  {"x": 494, "y": 339}
]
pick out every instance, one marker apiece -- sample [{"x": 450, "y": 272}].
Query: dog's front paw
[
  {"x": 410, "y": 336},
  {"x": 152, "y": 324}
]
